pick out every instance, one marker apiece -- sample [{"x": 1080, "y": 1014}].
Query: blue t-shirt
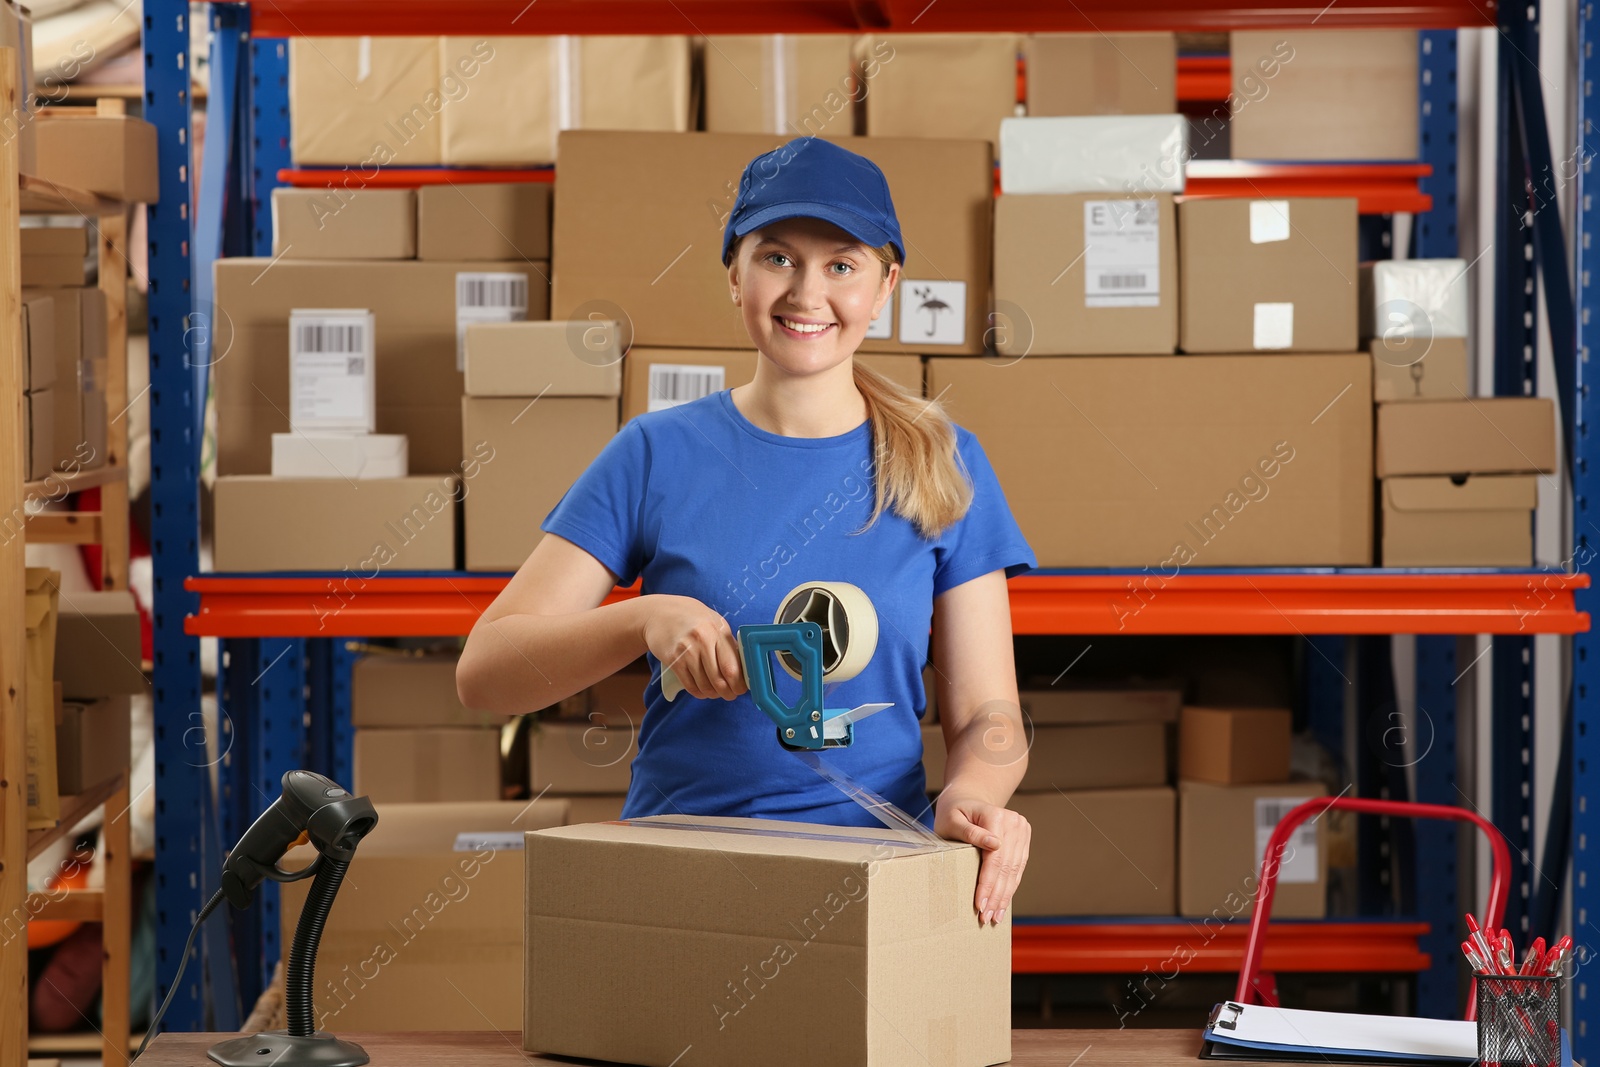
[{"x": 701, "y": 502}]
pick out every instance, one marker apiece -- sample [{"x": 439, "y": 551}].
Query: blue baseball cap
[{"x": 815, "y": 179}]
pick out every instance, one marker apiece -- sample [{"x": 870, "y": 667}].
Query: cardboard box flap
[
  {"x": 758, "y": 837},
  {"x": 1477, "y": 493}
]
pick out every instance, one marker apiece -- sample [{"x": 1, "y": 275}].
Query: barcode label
[
  {"x": 672, "y": 384},
  {"x": 487, "y": 296},
  {"x": 1121, "y": 253},
  {"x": 330, "y": 337},
  {"x": 490, "y": 841},
  {"x": 1299, "y": 865},
  {"x": 330, "y": 367}
]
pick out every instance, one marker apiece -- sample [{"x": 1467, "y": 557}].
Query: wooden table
[{"x": 1029, "y": 1048}]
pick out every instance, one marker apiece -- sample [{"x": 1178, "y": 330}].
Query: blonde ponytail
[{"x": 916, "y": 470}]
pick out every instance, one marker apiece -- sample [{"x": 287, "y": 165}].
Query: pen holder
[{"x": 1519, "y": 1020}]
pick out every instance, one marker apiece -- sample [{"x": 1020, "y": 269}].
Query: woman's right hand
[{"x": 696, "y": 644}]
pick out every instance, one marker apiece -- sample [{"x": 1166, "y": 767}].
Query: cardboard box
[
  {"x": 539, "y": 86},
  {"x": 374, "y": 101},
  {"x": 1099, "y": 756},
  {"x": 1479, "y": 435},
  {"x": 488, "y": 221},
  {"x": 544, "y": 359},
  {"x": 531, "y": 451},
  {"x": 1421, "y": 370},
  {"x": 1268, "y": 275},
  {"x": 954, "y": 85},
  {"x": 1222, "y": 835},
  {"x": 41, "y": 587},
  {"x": 1485, "y": 520},
  {"x": 617, "y": 701},
  {"x": 98, "y": 645},
  {"x": 111, "y": 155},
  {"x": 1098, "y": 704},
  {"x": 339, "y": 455},
  {"x": 382, "y": 525},
  {"x": 39, "y": 416},
  {"x": 79, "y": 327},
  {"x": 1178, "y": 461},
  {"x": 331, "y": 373},
  {"x": 1332, "y": 94},
  {"x": 92, "y": 411},
  {"x": 654, "y": 379},
  {"x": 905, "y": 371},
  {"x": 336, "y": 223},
  {"x": 415, "y": 309},
  {"x": 426, "y": 932},
  {"x": 787, "y": 83},
  {"x": 39, "y": 342},
  {"x": 1233, "y": 746},
  {"x": 934, "y": 756},
  {"x": 1101, "y": 74},
  {"x": 1121, "y": 154},
  {"x": 902, "y": 972},
  {"x": 605, "y": 807},
  {"x": 1414, "y": 299},
  {"x": 55, "y": 255},
  {"x": 1118, "y": 292},
  {"x": 411, "y": 691},
  {"x": 402, "y": 766},
  {"x": 607, "y": 203},
  {"x": 582, "y": 757},
  {"x": 1099, "y": 852},
  {"x": 94, "y": 742}
]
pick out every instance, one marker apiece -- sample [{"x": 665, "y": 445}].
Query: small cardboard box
[
  {"x": 875, "y": 935},
  {"x": 1268, "y": 275},
  {"x": 40, "y": 629},
  {"x": 1485, "y": 520},
  {"x": 342, "y": 223},
  {"x": 648, "y": 239},
  {"x": 94, "y": 742},
  {"x": 111, "y": 155},
  {"x": 544, "y": 359},
  {"x": 381, "y": 525},
  {"x": 39, "y": 414},
  {"x": 787, "y": 83},
  {"x": 1222, "y": 835},
  {"x": 1420, "y": 370},
  {"x": 1099, "y": 756},
  {"x": 599, "y": 807},
  {"x": 1325, "y": 94},
  {"x": 402, "y": 766},
  {"x": 426, "y": 932},
  {"x": 1118, "y": 293},
  {"x": 332, "y": 454},
  {"x": 1102, "y": 74},
  {"x": 582, "y": 757},
  {"x": 39, "y": 338},
  {"x": 1101, "y": 852},
  {"x": 1233, "y": 746},
  {"x": 79, "y": 329},
  {"x": 412, "y": 691},
  {"x": 1178, "y": 461},
  {"x": 1075, "y": 705},
  {"x": 98, "y": 645},
  {"x": 532, "y": 452},
  {"x": 372, "y": 101},
  {"x": 654, "y": 379},
  {"x": 95, "y": 418},
  {"x": 1476, "y": 435},
  {"x": 486, "y": 221},
  {"x": 55, "y": 255},
  {"x": 956, "y": 85}
]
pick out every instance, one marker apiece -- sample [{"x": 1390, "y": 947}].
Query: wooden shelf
[
  {"x": 73, "y": 905},
  {"x": 73, "y": 809},
  {"x": 41, "y": 196},
  {"x": 72, "y": 483}
]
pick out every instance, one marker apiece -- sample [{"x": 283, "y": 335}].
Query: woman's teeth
[{"x": 803, "y": 327}]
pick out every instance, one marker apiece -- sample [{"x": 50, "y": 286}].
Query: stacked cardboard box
[
  {"x": 582, "y": 750},
  {"x": 111, "y": 155},
  {"x": 38, "y": 377},
  {"x": 1097, "y": 759},
  {"x": 415, "y": 741},
  {"x": 791, "y": 84},
  {"x": 1233, "y": 788},
  {"x": 955, "y": 85},
  {"x": 65, "y": 330},
  {"x": 98, "y": 646},
  {"x": 93, "y": 741},
  {"x": 1101, "y": 74}
]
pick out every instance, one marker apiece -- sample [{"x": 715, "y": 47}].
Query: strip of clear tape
[{"x": 904, "y": 824}]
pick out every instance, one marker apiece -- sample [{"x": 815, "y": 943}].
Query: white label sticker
[
  {"x": 487, "y": 296},
  {"x": 1269, "y": 221},
  {"x": 933, "y": 313},
  {"x": 330, "y": 370},
  {"x": 490, "y": 841},
  {"x": 1274, "y": 325},
  {"x": 882, "y": 327},
  {"x": 672, "y": 384},
  {"x": 1121, "y": 254},
  {"x": 1299, "y": 866}
]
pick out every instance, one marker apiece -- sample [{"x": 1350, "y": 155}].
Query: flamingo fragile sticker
[{"x": 933, "y": 312}]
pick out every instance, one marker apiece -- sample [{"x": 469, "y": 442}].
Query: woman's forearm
[{"x": 521, "y": 663}]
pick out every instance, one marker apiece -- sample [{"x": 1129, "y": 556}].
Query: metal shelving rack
[{"x": 265, "y": 621}]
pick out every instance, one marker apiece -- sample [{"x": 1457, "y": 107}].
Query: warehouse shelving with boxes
[{"x": 1198, "y": 647}]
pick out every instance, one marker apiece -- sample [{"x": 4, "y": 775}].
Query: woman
[{"x": 818, "y": 470}]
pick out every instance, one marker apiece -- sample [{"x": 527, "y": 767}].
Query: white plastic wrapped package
[
  {"x": 1403, "y": 299},
  {"x": 1129, "y": 154}
]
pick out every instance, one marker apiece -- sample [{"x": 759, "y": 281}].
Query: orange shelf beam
[
  {"x": 1204, "y": 78},
  {"x": 354, "y": 176},
  {"x": 1194, "y": 946},
  {"x": 348, "y": 605},
  {"x": 1379, "y": 188}
]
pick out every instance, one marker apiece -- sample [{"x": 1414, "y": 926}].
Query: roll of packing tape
[{"x": 849, "y": 631}]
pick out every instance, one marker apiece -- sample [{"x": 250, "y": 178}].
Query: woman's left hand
[{"x": 1001, "y": 833}]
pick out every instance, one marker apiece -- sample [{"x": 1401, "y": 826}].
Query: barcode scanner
[{"x": 312, "y": 808}]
